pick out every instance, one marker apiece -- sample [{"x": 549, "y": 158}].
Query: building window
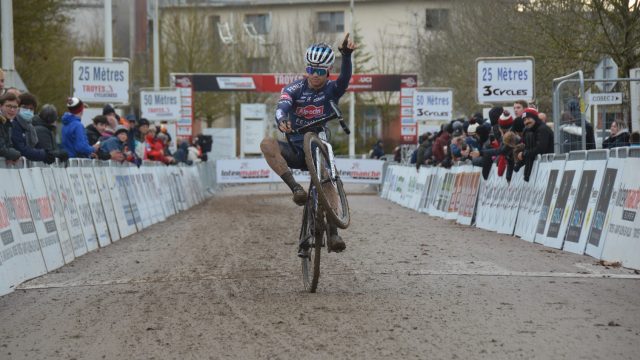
[
  {"x": 437, "y": 19},
  {"x": 331, "y": 22},
  {"x": 260, "y": 22}
]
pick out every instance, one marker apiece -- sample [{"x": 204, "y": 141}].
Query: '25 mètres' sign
[
  {"x": 100, "y": 81},
  {"x": 505, "y": 80}
]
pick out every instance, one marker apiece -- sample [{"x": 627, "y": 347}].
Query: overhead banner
[
  {"x": 275, "y": 82},
  {"x": 101, "y": 81},
  {"x": 505, "y": 80},
  {"x": 161, "y": 105}
]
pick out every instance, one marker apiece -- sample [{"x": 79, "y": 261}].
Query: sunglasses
[{"x": 314, "y": 70}]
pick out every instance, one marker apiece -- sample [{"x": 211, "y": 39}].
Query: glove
[
  {"x": 62, "y": 155},
  {"x": 49, "y": 157},
  {"x": 344, "y": 48}
]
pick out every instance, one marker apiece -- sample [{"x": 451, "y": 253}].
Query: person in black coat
[
  {"x": 45, "y": 125},
  {"x": 95, "y": 130},
  {"x": 538, "y": 140},
  {"x": 619, "y": 136}
]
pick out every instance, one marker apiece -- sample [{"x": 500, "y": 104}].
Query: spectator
[
  {"x": 619, "y": 136},
  {"x": 1, "y": 82},
  {"x": 538, "y": 140},
  {"x": 182, "y": 154},
  {"x": 155, "y": 148},
  {"x": 194, "y": 153},
  {"x": 74, "y": 137},
  {"x": 8, "y": 110},
  {"x": 377, "y": 151},
  {"x": 634, "y": 139},
  {"x": 441, "y": 144},
  {"x": 44, "y": 123},
  {"x": 96, "y": 130},
  {"x": 543, "y": 117},
  {"x": 424, "y": 153},
  {"x": 519, "y": 106},
  {"x": 23, "y": 134},
  {"x": 571, "y": 126},
  {"x": 112, "y": 119},
  {"x": 116, "y": 147}
]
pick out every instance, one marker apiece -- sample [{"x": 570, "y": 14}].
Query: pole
[
  {"x": 352, "y": 95},
  {"x": 7, "y": 36},
  {"x": 156, "y": 48},
  {"x": 108, "y": 31}
]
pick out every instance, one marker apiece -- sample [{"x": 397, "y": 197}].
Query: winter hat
[
  {"x": 494, "y": 114},
  {"x": 518, "y": 124},
  {"x": 530, "y": 113},
  {"x": 506, "y": 120},
  {"x": 131, "y": 118},
  {"x": 471, "y": 130},
  {"x": 457, "y": 125},
  {"x": 108, "y": 109},
  {"x": 120, "y": 129},
  {"x": 75, "y": 105}
]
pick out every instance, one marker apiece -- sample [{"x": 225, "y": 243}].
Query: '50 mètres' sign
[
  {"x": 100, "y": 81},
  {"x": 431, "y": 104},
  {"x": 505, "y": 80},
  {"x": 161, "y": 105}
]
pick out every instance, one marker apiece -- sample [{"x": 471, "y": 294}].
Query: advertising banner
[
  {"x": 42, "y": 216},
  {"x": 624, "y": 226},
  {"x": 84, "y": 209},
  {"x": 95, "y": 204},
  {"x": 107, "y": 204},
  {"x": 71, "y": 213},
  {"x": 101, "y": 81},
  {"x": 504, "y": 80},
  {"x": 58, "y": 215},
  {"x": 121, "y": 207},
  {"x": 275, "y": 82},
  {"x": 161, "y": 105},
  {"x": 582, "y": 214}
]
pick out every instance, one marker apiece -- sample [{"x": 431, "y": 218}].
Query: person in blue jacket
[{"x": 74, "y": 136}]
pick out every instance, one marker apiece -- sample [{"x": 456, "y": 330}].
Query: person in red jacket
[{"x": 155, "y": 149}]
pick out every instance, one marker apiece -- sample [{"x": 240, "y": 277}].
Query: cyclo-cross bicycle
[{"x": 326, "y": 199}]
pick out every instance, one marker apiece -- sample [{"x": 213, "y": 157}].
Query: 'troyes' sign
[{"x": 505, "y": 80}]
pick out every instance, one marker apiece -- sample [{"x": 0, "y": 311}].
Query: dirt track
[{"x": 222, "y": 281}]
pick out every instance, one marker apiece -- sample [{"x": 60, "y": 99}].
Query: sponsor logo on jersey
[
  {"x": 310, "y": 111},
  {"x": 285, "y": 96}
]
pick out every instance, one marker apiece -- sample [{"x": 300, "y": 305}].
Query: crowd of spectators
[
  {"x": 31, "y": 132},
  {"x": 511, "y": 141}
]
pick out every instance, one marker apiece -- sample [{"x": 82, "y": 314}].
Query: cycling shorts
[{"x": 293, "y": 156}]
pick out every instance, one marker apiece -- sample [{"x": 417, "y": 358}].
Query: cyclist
[{"x": 300, "y": 103}]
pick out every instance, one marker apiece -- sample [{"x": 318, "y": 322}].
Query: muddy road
[{"x": 222, "y": 280}]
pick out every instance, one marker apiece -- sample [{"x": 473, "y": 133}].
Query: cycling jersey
[{"x": 300, "y": 104}]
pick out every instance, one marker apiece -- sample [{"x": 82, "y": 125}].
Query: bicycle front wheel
[
  {"x": 330, "y": 190},
  {"x": 311, "y": 227}
]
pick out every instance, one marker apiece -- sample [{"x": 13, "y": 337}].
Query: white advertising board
[
  {"x": 95, "y": 204},
  {"x": 72, "y": 216},
  {"x": 161, "y": 105},
  {"x": 107, "y": 204},
  {"x": 253, "y": 119},
  {"x": 100, "y": 81},
  {"x": 84, "y": 209},
  {"x": 42, "y": 216},
  {"x": 433, "y": 105},
  {"x": 224, "y": 143},
  {"x": 58, "y": 215},
  {"x": 504, "y": 80}
]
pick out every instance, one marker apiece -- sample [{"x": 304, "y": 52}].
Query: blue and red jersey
[{"x": 300, "y": 104}]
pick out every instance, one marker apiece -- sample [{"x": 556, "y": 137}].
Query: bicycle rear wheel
[
  {"x": 330, "y": 190},
  {"x": 312, "y": 225}
]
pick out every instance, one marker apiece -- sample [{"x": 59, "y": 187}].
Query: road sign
[
  {"x": 100, "y": 81},
  {"x": 161, "y": 105},
  {"x": 505, "y": 80},
  {"x": 605, "y": 99},
  {"x": 433, "y": 104},
  {"x": 606, "y": 69}
]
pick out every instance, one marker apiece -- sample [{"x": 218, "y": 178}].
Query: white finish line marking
[{"x": 212, "y": 277}]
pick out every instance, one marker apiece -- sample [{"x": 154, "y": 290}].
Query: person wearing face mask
[{"x": 23, "y": 133}]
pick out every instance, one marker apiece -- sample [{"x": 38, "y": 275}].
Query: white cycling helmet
[{"x": 320, "y": 55}]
